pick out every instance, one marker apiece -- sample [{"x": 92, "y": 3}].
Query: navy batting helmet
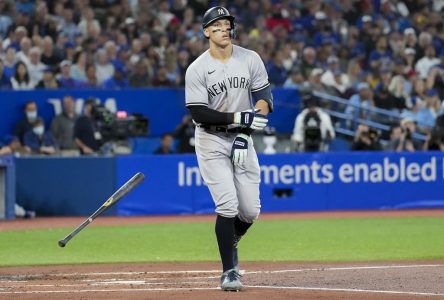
[{"x": 217, "y": 13}]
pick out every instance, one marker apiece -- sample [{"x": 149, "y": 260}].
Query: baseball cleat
[
  {"x": 230, "y": 281},
  {"x": 235, "y": 257}
]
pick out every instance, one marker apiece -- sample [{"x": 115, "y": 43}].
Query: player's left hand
[
  {"x": 259, "y": 122},
  {"x": 239, "y": 149}
]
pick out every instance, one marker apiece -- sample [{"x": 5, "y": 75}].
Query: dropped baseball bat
[{"x": 119, "y": 194}]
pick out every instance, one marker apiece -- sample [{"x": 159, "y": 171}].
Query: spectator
[
  {"x": 354, "y": 72},
  {"x": 111, "y": 53},
  {"x": 384, "y": 96},
  {"x": 185, "y": 134},
  {"x": 426, "y": 116},
  {"x": 34, "y": 65},
  {"x": 435, "y": 139},
  {"x": 78, "y": 69},
  {"x": 314, "y": 83},
  {"x": 400, "y": 86},
  {"x": 139, "y": 76},
  {"x": 25, "y": 125},
  {"x": 44, "y": 24},
  {"x": 104, "y": 68},
  {"x": 48, "y": 81},
  {"x": 395, "y": 136},
  {"x": 166, "y": 144},
  {"x": 37, "y": 141},
  {"x": 62, "y": 126},
  {"x": 21, "y": 79},
  {"x": 308, "y": 61},
  {"x": 25, "y": 47},
  {"x": 89, "y": 26},
  {"x": 435, "y": 78},
  {"x": 9, "y": 62},
  {"x": 295, "y": 80},
  {"x": 14, "y": 38},
  {"x": 406, "y": 141},
  {"x": 360, "y": 102},
  {"x": 161, "y": 78},
  {"x": 182, "y": 64},
  {"x": 334, "y": 77},
  {"x": 277, "y": 74},
  {"x": 386, "y": 100},
  {"x": 365, "y": 139},
  {"x": 68, "y": 27},
  {"x": 86, "y": 133},
  {"x": 410, "y": 38},
  {"x": 65, "y": 79},
  {"x": 51, "y": 56},
  {"x": 118, "y": 80},
  {"x": 5, "y": 82},
  {"x": 426, "y": 62},
  {"x": 277, "y": 20},
  {"x": 129, "y": 28},
  {"x": 5, "y": 18},
  {"x": 25, "y": 6},
  {"x": 381, "y": 56},
  {"x": 409, "y": 57},
  {"x": 313, "y": 129},
  {"x": 68, "y": 50},
  {"x": 91, "y": 77}
]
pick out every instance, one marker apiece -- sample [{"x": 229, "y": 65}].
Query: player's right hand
[{"x": 239, "y": 149}]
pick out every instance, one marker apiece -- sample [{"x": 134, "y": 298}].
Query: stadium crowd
[{"x": 377, "y": 53}]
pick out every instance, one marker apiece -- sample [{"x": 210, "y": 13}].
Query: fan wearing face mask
[
  {"x": 37, "y": 141},
  {"x": 26, "y": 124}
]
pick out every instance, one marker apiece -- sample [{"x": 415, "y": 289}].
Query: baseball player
[{"x": 229, "y": 96}]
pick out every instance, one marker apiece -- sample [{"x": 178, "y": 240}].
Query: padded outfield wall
[{"x": 290, "y": 182}]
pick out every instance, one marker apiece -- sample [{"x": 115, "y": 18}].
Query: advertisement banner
[{"x": 292, "y": 182}]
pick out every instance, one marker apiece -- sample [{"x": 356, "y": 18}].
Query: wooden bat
[{"x": 119, "y": 194}]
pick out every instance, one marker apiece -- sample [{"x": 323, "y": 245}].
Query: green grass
[{"x": 287, "y": 240}]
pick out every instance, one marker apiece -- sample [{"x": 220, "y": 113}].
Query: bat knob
[{"x": 62, "y": 243}]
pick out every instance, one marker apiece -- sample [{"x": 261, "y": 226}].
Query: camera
[
  {"x": 408, "y": 133},
  {"x": 312, "y": 139},
  {"x": 371, "y": 134},
  {"x": 112, "y": 127}
]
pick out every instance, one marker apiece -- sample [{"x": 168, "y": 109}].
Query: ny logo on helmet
[{"x": 221, "y": 11}]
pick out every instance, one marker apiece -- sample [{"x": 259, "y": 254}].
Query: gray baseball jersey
[{"x": 227, "y": 87}]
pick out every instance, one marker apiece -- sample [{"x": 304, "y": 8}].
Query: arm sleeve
[{"x": 207, "y": 116}]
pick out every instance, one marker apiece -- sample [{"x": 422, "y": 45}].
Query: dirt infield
[
  {"x": 263, "y": 280},
  {"x": 408, "y": 280}
]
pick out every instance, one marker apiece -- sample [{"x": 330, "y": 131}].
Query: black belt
[{"x": 221, "y": 129}]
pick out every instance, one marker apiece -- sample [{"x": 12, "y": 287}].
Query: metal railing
[{"x": 340, "y": 115}]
